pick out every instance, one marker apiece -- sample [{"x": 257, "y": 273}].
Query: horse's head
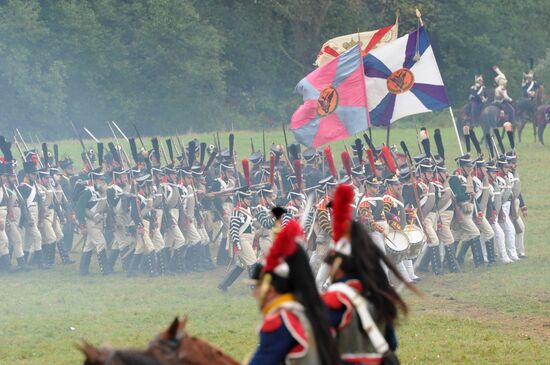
[
  {"x": 175, "y": 346},
  {"x": 107, "y": 356}
]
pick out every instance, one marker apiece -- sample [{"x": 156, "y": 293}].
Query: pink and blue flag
[
  {"x": 402, "y": 79},
  {"x": 335, "y": 101}
]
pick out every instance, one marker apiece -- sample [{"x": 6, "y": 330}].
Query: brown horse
[
  {"x": 542, "y": 118},
  {"x": 526, "y": 112},
  {"x": 174, "y": 346}
]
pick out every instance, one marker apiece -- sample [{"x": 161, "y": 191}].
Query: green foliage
[{"x": 209, "y": 64}]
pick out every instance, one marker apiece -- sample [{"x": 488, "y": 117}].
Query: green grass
[{"x": 496, "y": 316}]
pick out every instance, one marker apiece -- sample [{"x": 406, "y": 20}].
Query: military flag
[
  {"x": 369, "y": 40},
  {"x": 335, "y": 101},
  {"x": 402, "y": 78}
]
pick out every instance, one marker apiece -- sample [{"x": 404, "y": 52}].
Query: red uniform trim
[{"x": 271, "y": 323}]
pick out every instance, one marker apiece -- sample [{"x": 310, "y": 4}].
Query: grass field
[{"x": 496, "y": 316}]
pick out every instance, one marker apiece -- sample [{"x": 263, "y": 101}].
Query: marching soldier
[
  {"x": 264, "y": 221},
  {"x": 464, "y": 228},
  {"x": 496, "y": 206},
  {"x": 505, "y": 220},
  {"x": 173, "y": 236},
  {"x": 199, "y": 189},
  {"x": 5, "y": 264},
  {"x": 241, "y": 234},
  {"x": 482, "y": 195},
  {"x": 32, "y": 241},
  {"x": 90, "y": 208}
]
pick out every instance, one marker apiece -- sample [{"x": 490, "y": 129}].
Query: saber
[
  {"x": 120, "y": 131},
  {"x": 119, "y": 146},
  {"x": 91, "y": 135}
]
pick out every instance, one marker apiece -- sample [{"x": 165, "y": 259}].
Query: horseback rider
[
  {"x": 478, "y": 96},
  {"x": 529, "y": 86},
  {"x": 502, "y": 99}
]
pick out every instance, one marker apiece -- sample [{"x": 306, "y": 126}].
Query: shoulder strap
[{"x": 360, "y": 304}]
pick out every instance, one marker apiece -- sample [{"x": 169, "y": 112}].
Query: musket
[
  {"x": 21, "y": 138},
  {"x": 120, "y": 131},
  {"x": 119, "y": 146},
  {"x": 81, "y": 143},
  {"x": 252, "y": 145},
  {"x": 182, "y": 148},
  {"x": 219, "y": 143},
  {"x": 91, "y": 135},
  {"x": 139, "y": 136}
]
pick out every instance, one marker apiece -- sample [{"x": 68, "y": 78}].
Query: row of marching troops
[{"x": 167, "y": 218}]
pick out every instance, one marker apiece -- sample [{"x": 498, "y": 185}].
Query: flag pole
[
  {"x": 364, "y": 84},
  {"x": 456, "y": 130},
  {"x": 388, "y": 135}
]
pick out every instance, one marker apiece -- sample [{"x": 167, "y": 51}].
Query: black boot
[
  {"x": 435, "y": 258},
  {"x": 85, "y": 260},
  {"x": 65, "y": 259},
  {"x": 223, "y": 258},
  {"x": 26, "y": 257},
  {"x": 490, "y": 248},
  {"x": 126, "y": 258},
  {"x": 151, "y": 264},
  {"x": 230, "y": 277},
  {"x": 425, "y": 262},
  {"x": 178, "y": 262},
  {"x": 5, "y": 264},
  {"x": 477, "y": 252},
  {"x": 198, "y": 258},
  {"x": 38, "y": 257},
  {"x": 161, "y": 263},
  {"x": 22, "y": 264},
  {"x": 207, "y": 258},
  {"x": 451, "y": 260},
  {"x": 46, "y": 254},
  {"x": 462, "y": 252},
  {"x": 103, "y": 262},
  {"x": 112, "y": 259},
  {"x": 134, "y": 266}
]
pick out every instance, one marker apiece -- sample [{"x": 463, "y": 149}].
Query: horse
[
  {"x": 174, "y": 346},
  {"x": 526, "y": 109},
  {"x": 542, "y": 117}
]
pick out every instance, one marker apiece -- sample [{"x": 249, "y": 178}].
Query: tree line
[{"x": 212, "y": 64}]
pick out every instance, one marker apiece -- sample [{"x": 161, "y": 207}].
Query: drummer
[
  {"x": 394, "y": 209},
  {"x": 371, "y": 212}
]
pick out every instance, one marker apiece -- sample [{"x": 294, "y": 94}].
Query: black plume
[
  {"x": 156, "y": 148},
  {"x": 439, "y": 143},
  {"x": 369, "y": 142},
  {"x": 100, "y": 153},
  {"x": 133, "y": 149},
  {"x": 45, "y": 154},
  {"x": 406, "y": 150},
  {"x": 511, "y": 139},
  {"x": 426, "y": 145},
  {"x": 114, "y": 152},
  {"x": 359, "y": 150},
  {"x": 191, "y": 147},
  {"x": 170, "y": 150},
  {"x": 278, "y": 212},
  {"x": 203, "y": 153},
  {"x": 293, "y": 152},
  {"x": 231, "y": 144},
  {"x": 475, "y": 141},
  {"x": 499, "y": 141},
  {"x": 56, "y": 154},
  {"x": 211, "y": 159}
]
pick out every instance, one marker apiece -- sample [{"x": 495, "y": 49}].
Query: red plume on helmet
[
  {"x": 342, "y": 211},
  {"x": 297, "y": 164},
  {"x": 388, "y": 158},
  {"x": 346, "y": 162},
  {"x": 246, "y": 171},
  {"x": 330, "y": 161},
  {"x": 271, "y": 169},
  {"x": 284, "y": 245},
  {"x": 371, "y": 159}
]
